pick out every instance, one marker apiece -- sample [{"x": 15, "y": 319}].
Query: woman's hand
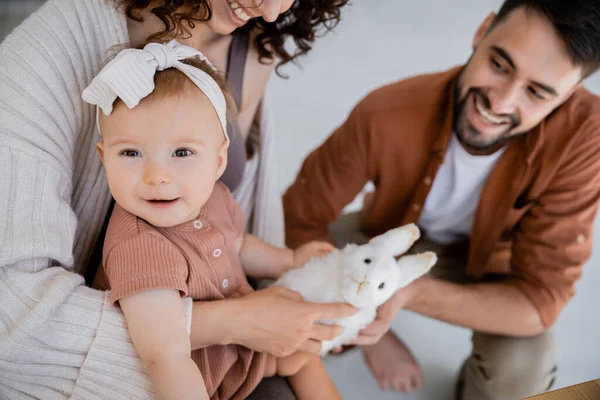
[
  {"x": 309, "y": 250},
  {"x": 277, "y": 321}
]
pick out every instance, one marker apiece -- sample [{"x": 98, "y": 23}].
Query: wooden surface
[{"x": 585, "y": 391}]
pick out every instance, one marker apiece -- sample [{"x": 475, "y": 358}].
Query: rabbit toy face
[
  {"x": 369, "y": 279},
  {"x": 371, "y": 274}
]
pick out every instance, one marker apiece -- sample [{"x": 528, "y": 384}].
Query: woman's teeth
[
  {"x": 486, "y": 115},
  {"x": 238, "y": 11}
]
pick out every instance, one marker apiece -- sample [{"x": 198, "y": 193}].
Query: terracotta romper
[{"x": 199, "y": 259}]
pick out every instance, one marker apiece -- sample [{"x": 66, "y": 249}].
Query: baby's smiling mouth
[{"x": 162, "y": 202}]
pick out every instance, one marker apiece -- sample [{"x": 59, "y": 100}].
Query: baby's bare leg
[
  {"x": 308, "y": 377},
  {"x": 271, "y": 367}
]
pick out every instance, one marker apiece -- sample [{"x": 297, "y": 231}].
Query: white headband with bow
[{"x": 130, "y": 77}]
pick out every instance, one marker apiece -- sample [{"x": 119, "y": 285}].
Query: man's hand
[
  {"x": 385, "y": 315},
  {"x": 277, "y": 321},
  {"x": 309, "y": 250}
]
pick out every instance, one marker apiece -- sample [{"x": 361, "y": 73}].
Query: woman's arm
[
  {"x": 68, "y": 335},
  {"x": 58, "y": 338},
  {"x": 156, "y": 322},
  {"x": 274, "y": 320}
]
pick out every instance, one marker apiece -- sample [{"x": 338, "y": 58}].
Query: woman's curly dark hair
[{"x": 304, "y": 21}]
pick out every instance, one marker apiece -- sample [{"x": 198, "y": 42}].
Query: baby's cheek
[
  {"x": 113, "y": 182},
  {"x": 198, "y": 190},
  {"x": 121, "y": 185},
  {"x": 114, "y": 172}
]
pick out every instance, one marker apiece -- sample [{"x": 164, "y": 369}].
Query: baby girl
[{"x": 176, "y": 231}]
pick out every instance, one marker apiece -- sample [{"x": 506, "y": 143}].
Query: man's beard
[{"x": 468, "y": 135}]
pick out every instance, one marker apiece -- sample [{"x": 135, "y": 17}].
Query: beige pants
[{"x": 499, "y": 367}]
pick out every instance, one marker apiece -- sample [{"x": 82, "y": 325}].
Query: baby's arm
[
  {"x": 262, "y": 260},
  {"x": 156, "y": 323}
]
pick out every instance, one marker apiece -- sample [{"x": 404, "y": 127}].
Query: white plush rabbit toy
[{"x": 364, "y": 276}]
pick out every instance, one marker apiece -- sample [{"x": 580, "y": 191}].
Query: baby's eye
[
  {"x": 381, "y": 285},
  {"x": 182, "y": 153},
  {"x": 130, "y": 153},
  {"x": 367, "y": 261}
]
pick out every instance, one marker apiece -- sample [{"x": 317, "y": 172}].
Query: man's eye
[
  {"x": 182, "y": 153},
  {"x": 534, "y": 92},
  {"x": 497, "y": 66},
  {"x": 130, "y": 153}
]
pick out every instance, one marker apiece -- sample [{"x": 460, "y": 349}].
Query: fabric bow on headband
[{"x": 130, "y": 77}]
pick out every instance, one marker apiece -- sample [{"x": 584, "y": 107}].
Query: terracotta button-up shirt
[{"x": 536, "y": 212}]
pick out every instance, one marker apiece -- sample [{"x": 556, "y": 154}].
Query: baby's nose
[{"x": 156, "y": 175}]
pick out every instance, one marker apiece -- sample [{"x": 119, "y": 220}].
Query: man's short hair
[{"x": 576, "y": 21}]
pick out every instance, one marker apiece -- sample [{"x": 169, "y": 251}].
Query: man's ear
[
  {"x": 222, "y": 159},
  {"x": 483, "y": 29},
  {"x": 570, "y": 93},
  {"x": 100, "y": 149},
  {"x": 574, "y": 88}
]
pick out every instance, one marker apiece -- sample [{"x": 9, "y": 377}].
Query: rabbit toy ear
[
  {"x": 413, "y": 267},
  {"x": 396, "y": 241}
]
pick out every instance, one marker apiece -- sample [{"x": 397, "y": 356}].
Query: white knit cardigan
[{"x": 58, "y": 338}]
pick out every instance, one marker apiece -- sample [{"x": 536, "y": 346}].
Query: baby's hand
[{"x": 309, "y": 250}]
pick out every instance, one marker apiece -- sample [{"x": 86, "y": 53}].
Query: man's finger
[
  {"x": 384, "y": 315},
  {"x": 326, "y": 332},
  {"x": 368, "y": 331},
  {"x": 337, "y": 350},
  {"x": 333, "y": 310},
  {"x": 366, "y": 340},
  {"x": 376, "y": 328},
  {"x": 311, "y": 346}
]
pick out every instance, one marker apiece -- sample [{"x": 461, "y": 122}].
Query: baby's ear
[
  {"x": 413, "y": 267},
  {"x": 222, "y": 160},
  {"x": 100, "y": 149},
  {"x": 396, "y": 241}
]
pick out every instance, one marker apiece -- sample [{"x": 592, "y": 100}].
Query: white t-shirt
[{"x": 452, "y": 202}]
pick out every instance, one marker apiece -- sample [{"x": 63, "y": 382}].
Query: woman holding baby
[{"x": 60, "y": 338}]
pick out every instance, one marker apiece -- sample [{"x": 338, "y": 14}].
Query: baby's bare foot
[{"x": 393, "y": 365}]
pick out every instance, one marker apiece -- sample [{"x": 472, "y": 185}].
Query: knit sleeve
[
  {"x": 58, "y": 338},
  {"x": 144, "y": 262}
]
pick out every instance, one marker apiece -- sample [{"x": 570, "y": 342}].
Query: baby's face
[{"x": 163, "y": 157}]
